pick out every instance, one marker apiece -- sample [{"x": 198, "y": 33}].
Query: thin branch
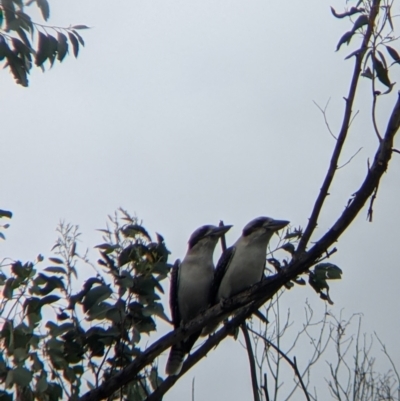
[
  {"x": 374, "y": 97},
  {"x": 200, "y": 353},
  {"x": 351, "y": 158},
  {"x": 293, "y": 363},
  {"x": 354, "y": 117},
  {"x": 342, "y": 135},
  {"x": 265, "y": 388},
  {"x": 323, "y": 111},
  {"x": 252, "y": 365}
]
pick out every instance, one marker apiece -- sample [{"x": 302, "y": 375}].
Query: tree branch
[
  {"x": 312, "y": 224},
  {"x": 258, "y": 294},
  {"x": 287, "y": 359},
  {"x": 249, "y": 348}
]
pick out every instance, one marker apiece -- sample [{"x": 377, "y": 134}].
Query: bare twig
[
  {"x": 354, "y": 117},
  {"x": 323, "y": 111},
  {"x": 250, "y": 354},
  {"x": 293, "y": 363},
  {"x": 351, "y": 158}
]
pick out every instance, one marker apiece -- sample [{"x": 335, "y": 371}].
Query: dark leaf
[
  {"x": 44, "y": 8},
  {"x": 54, "y": 392},
  {"x": 289, "y": 285},
  {"x": 57, "y": 261},
  {"x": 355, "y": 53},
  {"x": 5, "y": 213},
  {"x": 18, "y": 68},
  {"x": 24, "y": 38},
  {"x": 9, "y": 288},
  {"x": 381, "y": 72},
  {"x": 289, "y": 247},
  {"x": 352, "y": 11},
  {"x": 360, "y": 22},
  {"x": 345, "y": 39},
  {"x": 25, "y": 22},
  {"x": 22, "y": 271},
  {"x": 21, "y": 376},
  {"x": 393, "y": 53},
  {"x": 108, "y": 248},
  {"x": 49, "y": 299},
  {"x": 55, "y": 269},
  {"x": 382, "y": 58},
  {"x": 132, "y": 230},
  {"x": 41, "y": 384},
  {"x": 75, "y": 43},
  {"x": 389, "y": 15},
  {"x": 367, "y": 73},
  {"x": 79, "y": 37},
  {"x": 43, "y": 49},
  {"x": 155, "y": 309},
  {"x": 80, "y": 27},
  {"x": 95, "y": 296},
  {"x": 53, "y": 46},
  {"x": 9, "y": 12},
  {"x": 328, "y": 271}
]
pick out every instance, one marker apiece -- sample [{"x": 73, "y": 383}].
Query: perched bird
[
  {"x": 190, "y": 288},
  {"x": 242, "y": 265}
]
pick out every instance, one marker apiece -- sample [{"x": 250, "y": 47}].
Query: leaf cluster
[
  {"x": 375, "y": 64},
  {"x": 18, "y": 33},
  {"x": 54, "y": 335}
]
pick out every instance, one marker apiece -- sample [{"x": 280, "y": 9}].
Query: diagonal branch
[
  {"x": 250, "y": 354},
  {"x": 257, "y": 295},
  {"x": 312, "y": 224}
]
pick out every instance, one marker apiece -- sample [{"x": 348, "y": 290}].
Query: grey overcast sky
[{"x": 186, "y": 113}]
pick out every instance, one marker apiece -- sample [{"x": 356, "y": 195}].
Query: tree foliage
[
  {"x": 24, "y": 42},
  {"x": 55, "y": 335}
]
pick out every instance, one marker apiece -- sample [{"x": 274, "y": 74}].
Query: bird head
[
  {"x": 263, "y": 227},
  {"x": 207, "y": 235}
]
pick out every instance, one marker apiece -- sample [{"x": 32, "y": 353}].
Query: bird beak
[
  {"x": 220, "y": 231},
  {"x": 276, "y": 225}
]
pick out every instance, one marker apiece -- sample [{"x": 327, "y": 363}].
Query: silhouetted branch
[
  {"x": 250, "y": 354},
  {"x": 312, "y": 224},
  {"x": 293, "y": 363},
  {"x": 257, "y": 295}
]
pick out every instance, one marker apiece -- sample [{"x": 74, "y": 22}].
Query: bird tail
[{"x": 175, "y": 360}]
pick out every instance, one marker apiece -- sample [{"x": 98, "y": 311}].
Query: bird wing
[
  {"x": 220, "y": 271},
  {"x": 173, "y": 294}
]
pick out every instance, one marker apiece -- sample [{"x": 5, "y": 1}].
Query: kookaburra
[
  {"x": 191, "y": 283},
  {"x": 242, "y": 265}
]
